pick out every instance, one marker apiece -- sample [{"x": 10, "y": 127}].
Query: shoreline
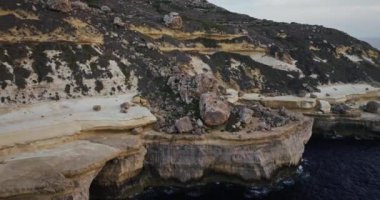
[{"x": 116, "y": 158}]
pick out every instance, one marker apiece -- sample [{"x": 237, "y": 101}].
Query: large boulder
[
  {"x": 373, "y": 107},
  {"x": 214, "y": 111},
  {"x": 59, "y": 5},
  {"x": 184, "y": 125},
  {"x": 173, "y": 20},
  {"x": 324, "y": 106}
]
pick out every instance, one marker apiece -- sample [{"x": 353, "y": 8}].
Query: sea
[{"x": 330, "y": 170}]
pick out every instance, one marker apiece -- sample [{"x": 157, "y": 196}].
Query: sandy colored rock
[
  {"x": 187, "y": 158},
  {"x": 27, "y": 176},
  {"x": 324, "y": 106},
  {"x": 67, "y": 169}
]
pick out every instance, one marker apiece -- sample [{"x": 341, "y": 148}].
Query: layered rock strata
[{"x": 105, "y": 155}]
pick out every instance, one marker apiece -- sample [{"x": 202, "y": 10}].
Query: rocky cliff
[
  {"x": 80, "y": 79},
  {"x": 73, "y": 150}
]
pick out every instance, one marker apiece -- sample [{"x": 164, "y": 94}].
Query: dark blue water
[{"x": 331, "y": 170}]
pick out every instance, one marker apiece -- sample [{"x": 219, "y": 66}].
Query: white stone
[{"x": 324, "y": 106}]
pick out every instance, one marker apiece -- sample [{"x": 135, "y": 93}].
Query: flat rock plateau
[{"x": 100, "y": 99}]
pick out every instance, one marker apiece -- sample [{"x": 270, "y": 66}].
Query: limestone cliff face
[
  {"x": 250, "y": 158},
  {"x": 119, "y": 164},
  {"x": 187, "y": 159}
]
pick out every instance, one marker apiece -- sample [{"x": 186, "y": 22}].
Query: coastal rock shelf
[
  {"x": 360, "y": 124},
  {"x": 367, "y": 126},
  {"x": 65, "y": 164},
  {"x": 336, "y": 93}
]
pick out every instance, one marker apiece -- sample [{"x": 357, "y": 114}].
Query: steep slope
[
  {"x": 50, "y": 55},
  {"x": 185, "y": 65}
]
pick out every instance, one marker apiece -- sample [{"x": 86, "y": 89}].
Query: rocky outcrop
[
  {"x": 242, "y": 158},
  {"x": 188, "y": 158},
  {"x": 367, "y": 126}
]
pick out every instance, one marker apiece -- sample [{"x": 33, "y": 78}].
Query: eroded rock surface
[
  {"x": 187, "y": 158},
  {"x": 200, "y": 62},
  {"x": 69, "y": 164}
]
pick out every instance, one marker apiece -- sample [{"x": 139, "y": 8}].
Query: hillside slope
[{"x": 110, "y": 47}]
